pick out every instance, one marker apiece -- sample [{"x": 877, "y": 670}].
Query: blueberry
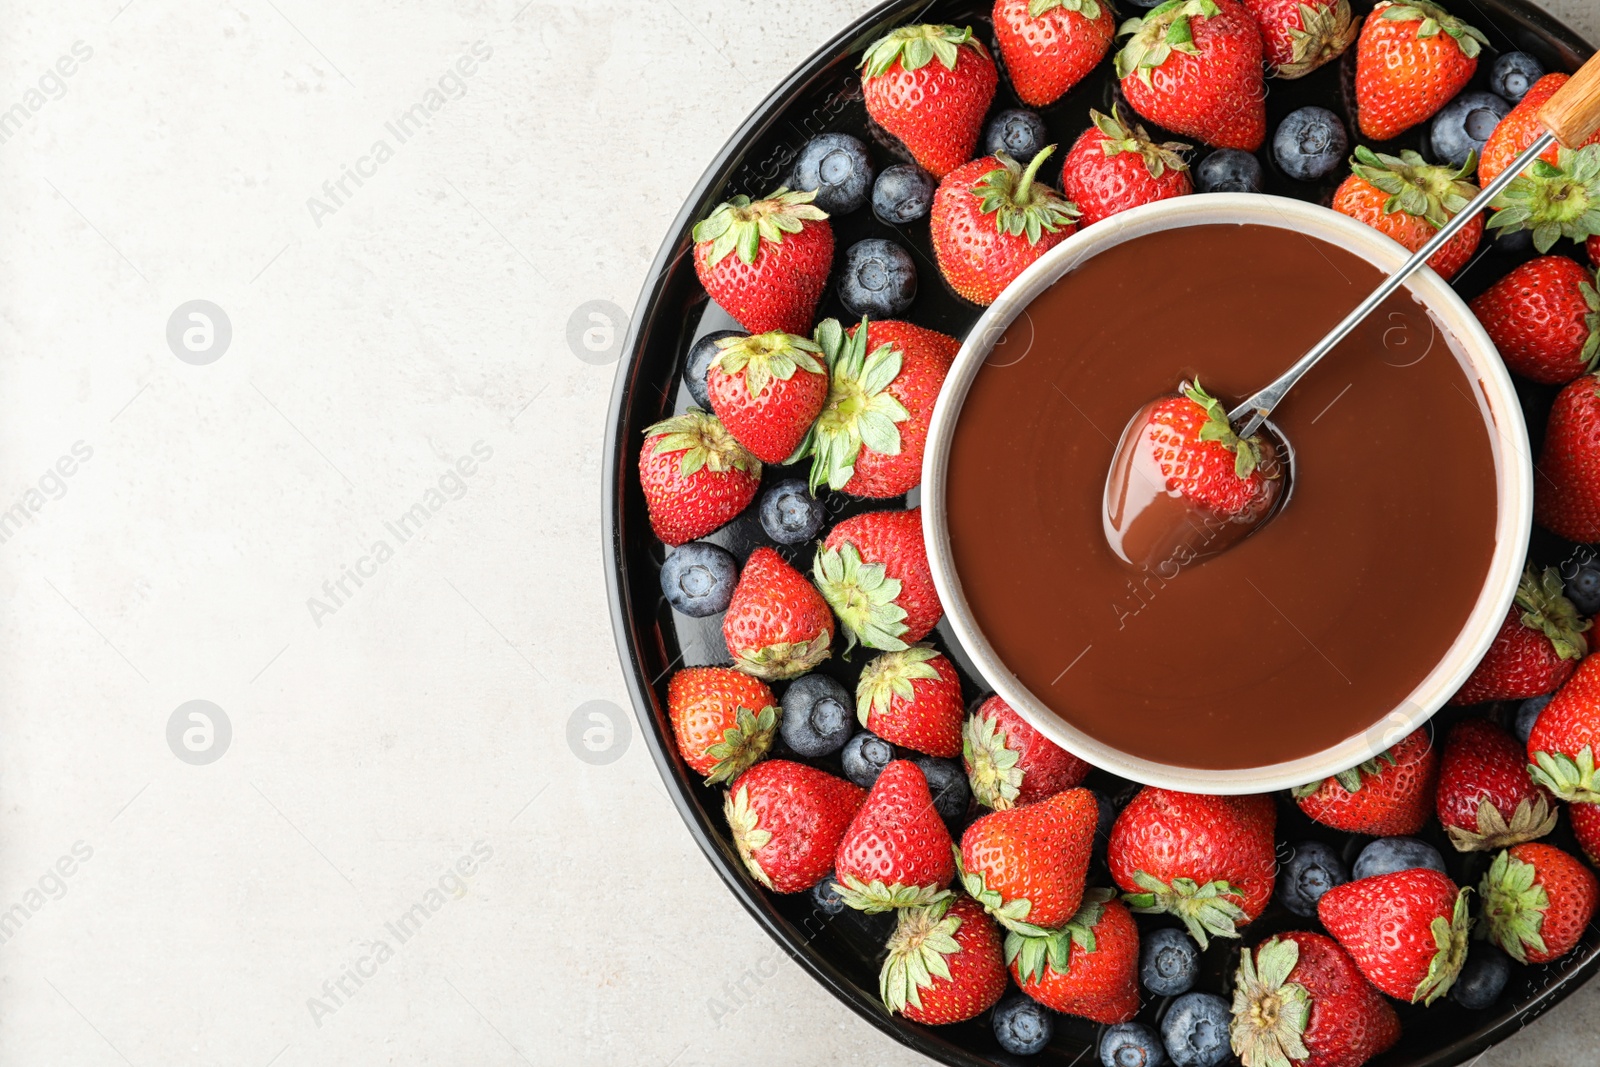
[
  {"x": 1582, "y": 585},
  {"x": 1311, "y": 871},
  {"x": 1228, "y": 170},
  {"x": 879, "y": 279},
  {"x": 1527, "y": 714},
  {"x": 837, "y": 166},
  {"x": 701, "y": 353},
  {"x": 1196, "y": 1030},
  {"x": 825, "y": 899},
  {"x": 1131, "y": 1045},
  {"x": 790, "y": 514},
  {"x": 1018, "y": 133},
  {"x": 1310, "y": 143},
  {"x": 1022, "y": 1025},
  {"x": 1107, "y": 815},
  {"x": 1389, "y": 854},
  {"x": 903, "y": 193},
  {"x": 1483, "y": 977},
  {"x": 1513, "y": 242},
  {"x": 864, "y": 757},
  {"x": 698, "y": 579},
  {"x": 818, "y": 716},
  {"x": 947, "y": 781},
  {"x": 1462, "y": 126},
  {"x": 1169, "y": 962},
  {"x": 1513, "y": 75}
]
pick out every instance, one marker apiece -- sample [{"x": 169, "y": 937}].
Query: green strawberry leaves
[
  {"x": 875, "y": 896},
  {"x": 1018, "y": 205},
  {"x": 892, "y": 675},
  {"x": 704, "y": 442},
  {"x": 784, "y": 659},
  {"x": 1434, "y": 20},
  {"x": 922, "y": 938},
  {"x": 748, "y": 836},
  {"x": 1087, "y": 8},
  {"x": 1351, "y": 779},
  {"x": 1164, "y": 30},
  {"x": 1052, "y": 949},
  {"x": 1570, "y": 778},
  {"x": 1270, "y": 1013},
  {"x": 1123, "y": 136},
  {"x": 742, "y": 744},
  {"x": 1554, "y": 200},
  {"x": 1218, "y": 428},
  {"x": 863, "y": 596},
  {"x": 766, "y": 357},
  {"x": 1323, "y": 34},
  {"x": 1205, "y": 909},
  {"x": 916, "y": 46},
  {"x": 1514, "y": 906},
  {"x": 859, "y": 412},
  {"x": 994, "y": 767},
  {"x": 1532, "y": 818},
  {"x": 742, "y": 224},
  {"x": 1415, "y": 186},
  {"x": 1546, "y": 608},
  {"x": 1450, "y": 941}
]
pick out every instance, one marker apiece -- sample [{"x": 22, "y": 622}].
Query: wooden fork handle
[{"x": 1573, "y": 114}]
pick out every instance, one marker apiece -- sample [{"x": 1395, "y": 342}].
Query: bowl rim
[{"x": 1508, "y": 441}]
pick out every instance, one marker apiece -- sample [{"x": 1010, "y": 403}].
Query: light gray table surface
[{"x": 354, "y": 508}]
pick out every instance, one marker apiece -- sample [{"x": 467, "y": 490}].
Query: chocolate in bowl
[{"x": 1309, "y": 646}]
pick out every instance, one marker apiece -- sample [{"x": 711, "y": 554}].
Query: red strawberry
[
  {"x": 944, "y": 964},
  {"x": 912, "y": 698},
  {"x": 1301, "y": 35},
  {"x": 1592, "y": 246},
  {"x": 930, "y": 86},
  {"x": 776, "y": 626},
  {"x": 695, "y": 476},
  {"x": 991, "y": 219},
  {"x": 897, "y": 852},
  {"x": 1411, "y": 59},
  {"x": 1561, "y": 746},
  {"x": 1114, "y": 165},
  {"x": 1566, "y": 494},
  {"x": 1049, "y": 45},
  {"x": 1189, "y": 439},
  {"x": 1520, "y": 128},
  {"x": 1194, "y": 67},
  {"x": 1538, "y": 646},
  {"x": 767, "y": 389},
  {"x": 1586, "y": 828},
  {"x": 723, "y": 720},
  {"x": 1027, "y": 865},
  {"x": 1387, "y": 795},
  {"x": 873, "y": 570},
  {"x": 1407, "y": 931},
  {"x": 1537, "y": 902},
  {"x": 1544, "y": 317},
  {"x": 868, "y": 441},
  {"x": 1299, "y": 998},
  {"x": 1408, "y": 199},
  {"x": 1009, "y": 763},
  {"x": 1486, "y": 799},
  {"x": 766, "y": 263},
  {"x": 1092, "y": 971},
  {"x": 787, "y": 820},
  {"x": 1209, "y": 860}
]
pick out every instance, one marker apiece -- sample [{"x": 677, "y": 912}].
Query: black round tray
[{"x": 843, "y": 952}]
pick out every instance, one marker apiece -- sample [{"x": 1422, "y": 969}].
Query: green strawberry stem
[
  {"x": 916, "y": 46},
  {"x": 859, "y": 412},
  {"x": 1323, "y": 34},
  {"x": 876, "y": 896},
  {"x": 1570, "y": 778},
  {"x": 741, "y": 224},
  {"x": 1554, "y": 200},
  {"x": 1218, "y": 428},
  {"x": 1205, "y": 909},
  {"x": 1163, "y": 30},
  {"x": 748, "y": 836},
  {"x": 1018, "y": 205},
  {"x": 1532, "y": 818},
  {"x": 922, "y": 938},
  {"x": 767, "y": 356},
  {"x": 1012, "y": 914},
  {"x": 1087, "y": 8},
  {"x": 742, "y": 744},
  {"x": 892, "y": 675},
  {"x": 1434, "y": 19},
  {"x": 1546, "y": 608},
  {"x": 1514, "y": 906},
  {"x": 704, "y": 442},
  {"x": 994, "y": 766},
  {"x": 1450, "y": 940},
  {"x": 1122, "y": 136},
  {"x": 1351, "y": 778},
  {"x": 1033, "y": 953},
  {"x": 1270, "y": 1013},
  {"x": 863, "y": 596},
  {"x": 1415, "y": 186},
  {"x": 784, "y": 659}
]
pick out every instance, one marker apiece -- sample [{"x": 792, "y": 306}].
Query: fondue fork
[{"x": 1569, "y": 118}]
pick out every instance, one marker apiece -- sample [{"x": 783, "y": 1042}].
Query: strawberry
[
  {"x": 991, "y": 219},
  {"x": 695, "y": 476},
  {"x": 776, "y": 625},
  {"x": 912, "y": 698},
  {"x": 944, "y": 964},
  {"x": 1209, "y": 860},
  {"x": 1049, "y": 45},
  {"x": 1520, "y": 128},
  {"x": 1114, "y": 165},
  {"x": 1411, "y": 59},
  {"x": 1301, "y": 35},
  {"x": 1009, "y": 763},
  {"x": 1586, "y": 828},
  {"x": 1561, "y": 746},
  {"x": 1537, "y": 901},
  {"x": 1544, "y": 317},
  {"x": 930, "y": 86},
  {"x": 1538, "y": 646},
  {"x": 1194, "y": 67},
  {"x": 1486, "y": 799},
  {"x": 873, "y": 569},
  {"x": 1189, "y": 439},
  {"x": 1553, "y": 200},
  {"x": 1092, "y": 972},
  {"x": 767, "y": 389},
  {"x": 1027, "y": 865},
  {"x": 1407, "y": 199},
  {"x": 723, "y": 720},
  {"x": 1387, "y": 795},
  {"x": 1566, "y": 495},
  {"x": 896, "y": 852},
  {"x": 1299, "y": 998},
  {"x": 885, "y": 378},
  {"x": 1592, "y": 246},
  {"x": 1407, "y": 931},
  {"x": 766, "y": 263},
  {"x": 787, "y": 820}
]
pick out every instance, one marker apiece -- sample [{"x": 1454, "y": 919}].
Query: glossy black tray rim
[{"x": 651, "y": 315}]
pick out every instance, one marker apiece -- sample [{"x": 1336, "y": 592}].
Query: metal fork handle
[{"x": 1256, "y": 409}]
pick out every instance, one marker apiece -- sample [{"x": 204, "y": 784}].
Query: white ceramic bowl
[{"x": 1513, "y": 474}]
